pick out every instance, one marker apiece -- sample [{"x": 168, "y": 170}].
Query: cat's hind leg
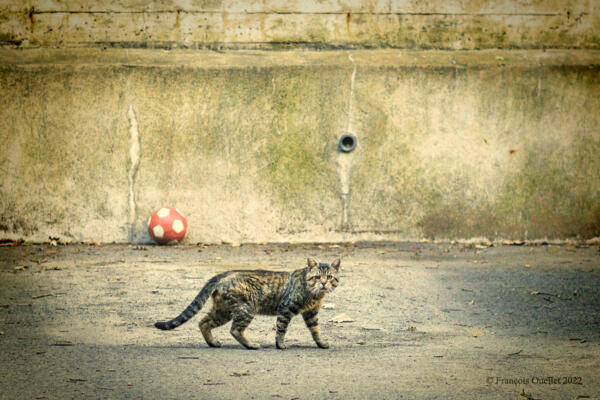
[
  {"x": 219, "y": 315},
  {"x": 241, "y": 319},
  {"x": 213, "y": 320}
]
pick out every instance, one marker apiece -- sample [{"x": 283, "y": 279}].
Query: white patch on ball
[
  {"x": 163, "y": 212},
  {"x": 158, "y": 231},
  {"x": 177, "y": 225}
]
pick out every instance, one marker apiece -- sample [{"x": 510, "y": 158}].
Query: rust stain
[
  {"x": 30, "y": 14},
  {"x": 348, "y": 18}
]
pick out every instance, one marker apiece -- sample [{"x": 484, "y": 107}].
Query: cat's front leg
[
  {"x": 283, "y": 319},
  {"x": 312, "y": 323}
]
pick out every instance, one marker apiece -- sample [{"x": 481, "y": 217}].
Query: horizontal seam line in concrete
[
  {"x": 334, "y": 44},
  {"x": 500, "y": 14},
  {"x": 273, "y": 46},
  {"x": 205, "y": 59}
]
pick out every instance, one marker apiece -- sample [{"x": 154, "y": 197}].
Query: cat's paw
[
  {"x": 323, "y": 345},
  {"x": 252, "y": 346},
  {"x": 280, "y": 346},
  {"x": 215, "y": 343}
]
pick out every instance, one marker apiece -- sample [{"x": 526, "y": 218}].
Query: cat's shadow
[{"x": 236, "y": 347}]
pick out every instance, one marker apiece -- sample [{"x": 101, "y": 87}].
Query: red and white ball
[{"x": 166, "y": 225}]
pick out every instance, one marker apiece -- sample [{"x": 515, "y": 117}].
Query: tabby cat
[{"x": 240, "y": 295}]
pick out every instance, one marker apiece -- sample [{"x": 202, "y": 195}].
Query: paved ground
[{"x": 429, "y": 321}]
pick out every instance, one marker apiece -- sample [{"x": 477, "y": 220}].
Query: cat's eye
[{"x": 329, "y": 276}]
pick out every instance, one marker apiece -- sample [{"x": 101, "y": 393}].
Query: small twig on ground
[
  {"x": 65, "y": 343},
  {"x": 538, "y": 293},
  {"x": 51, "y": 294}
]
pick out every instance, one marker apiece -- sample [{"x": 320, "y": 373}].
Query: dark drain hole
[{"x": 347, "y": 142}]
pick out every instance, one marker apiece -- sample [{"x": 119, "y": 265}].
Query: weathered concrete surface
[
  {"x": 500, "y": 144},
  {"x": 438, "y": 24},
  {"x": 429, "y": 321}
]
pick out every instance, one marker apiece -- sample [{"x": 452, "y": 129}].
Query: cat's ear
[
  {"x": 336, "y": 264},
  {"x": 311, "y": 263}
]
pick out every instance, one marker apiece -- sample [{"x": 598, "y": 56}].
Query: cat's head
[{"x": 322, "y": 277}]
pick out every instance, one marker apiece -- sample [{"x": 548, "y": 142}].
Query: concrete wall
[
  {"x": 96, "y": 133},
  {"x": 434, "y": 24}
]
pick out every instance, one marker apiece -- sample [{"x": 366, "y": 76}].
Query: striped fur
[
  {"x": 240, "y": 295},
  {"x": 192, "y": 309}
]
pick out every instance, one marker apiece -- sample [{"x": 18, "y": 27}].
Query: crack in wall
[
  {"x": 134, "y": 163},
  {"x": 344, "y": 160},
  {"x": 351, "y": 99}
]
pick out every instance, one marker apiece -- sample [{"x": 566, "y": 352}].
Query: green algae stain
[
  {"x": 294, "y": 166},
  {"x": 300, "y": 146},
  {"x": 552, "y": 194}
]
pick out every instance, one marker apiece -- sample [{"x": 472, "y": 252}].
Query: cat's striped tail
[{"x": 192, "y": 309}]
